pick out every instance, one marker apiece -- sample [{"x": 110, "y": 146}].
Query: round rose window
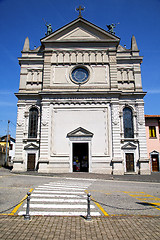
[{"x": 80, "y": 75}]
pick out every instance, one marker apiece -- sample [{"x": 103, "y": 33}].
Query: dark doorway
[
  {"x": 80, "y": 157},
  {"x": 155, "y": 162},
  {"x": 31, "y": 162},
  {"x": 130, "y": 162}
]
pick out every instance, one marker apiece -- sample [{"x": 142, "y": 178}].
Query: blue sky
[{"x": 22, "y": 18}]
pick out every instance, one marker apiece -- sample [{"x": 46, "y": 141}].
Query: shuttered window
[{"x": 152, "y": 131}]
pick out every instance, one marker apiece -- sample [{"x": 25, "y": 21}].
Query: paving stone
[{"x": 64, "y": 228}]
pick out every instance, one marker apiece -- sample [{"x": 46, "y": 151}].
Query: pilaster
[
  {"x": 44, "y": 144},
  {"x": 116, "y": 150},
  {"x": 47, "y": 69},
  {"x": 143, "y": 160},
  {"x": 137, "y": 76},
  {"x": 113, "y": 70},
  {"x": 19, "y": 158}
]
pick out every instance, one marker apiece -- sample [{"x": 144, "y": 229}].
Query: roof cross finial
[{"x": 80, "y": 8}]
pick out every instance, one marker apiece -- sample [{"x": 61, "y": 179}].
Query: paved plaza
[{"x": 120, "y": 227}]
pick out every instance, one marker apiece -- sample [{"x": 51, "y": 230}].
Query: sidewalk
[
  {"x": 76, "y": 228},
  {"x": 154, "y": 177}
]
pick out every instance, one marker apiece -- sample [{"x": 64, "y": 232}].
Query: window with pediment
[
  {"x": 33, "y": 123},
  {"x": 128, "y": 123}
]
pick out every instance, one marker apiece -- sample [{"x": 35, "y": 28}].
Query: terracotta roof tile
[{"x": 152, "y": 116}]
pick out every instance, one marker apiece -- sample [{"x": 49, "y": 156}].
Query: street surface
[
  {"x": 67, "y": 196},
  {"x": 60, "y": 198}
]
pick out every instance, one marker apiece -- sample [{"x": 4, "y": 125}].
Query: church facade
[{"x": 80, "y": 104}]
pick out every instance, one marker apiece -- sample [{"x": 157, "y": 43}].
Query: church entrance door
[
  {"x": 31, "y": 162},
  {"x": 80, "y": 157},
  {"x": 130, "y": 162}
]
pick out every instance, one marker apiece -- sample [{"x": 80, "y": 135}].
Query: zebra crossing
[{"x": 62, "y": 198}]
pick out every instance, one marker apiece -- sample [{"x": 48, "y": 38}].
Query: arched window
[
  {"x": 128, "y": 123},
  {"x": 33, "y": 123}
]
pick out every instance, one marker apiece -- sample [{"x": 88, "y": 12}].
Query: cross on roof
[{"x": 80, "y": 8}]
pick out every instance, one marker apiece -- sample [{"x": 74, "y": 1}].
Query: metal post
[
  {"x": 27, "y": 216},
  {"x": 88, "y": 217}
]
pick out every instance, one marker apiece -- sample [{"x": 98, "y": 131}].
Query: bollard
[
  {"x": 88, "y": 217},
  {"x": 27, "y": 216}
]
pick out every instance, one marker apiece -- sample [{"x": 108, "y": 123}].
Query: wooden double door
[
  {"x": 129, "y": 162},
  {"x": 155, "y": 162},
  {"x": 31, "y": 161}
]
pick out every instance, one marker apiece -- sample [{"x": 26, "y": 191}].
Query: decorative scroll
[{"x": 115, "y": 115}]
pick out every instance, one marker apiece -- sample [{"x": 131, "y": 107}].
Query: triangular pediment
[
  {"x": 129, "y": 146},
  {"x": 79, "y": 33},
  {"x": 31, "y": 146},
  {"x": 154, "y": 152},
  {"x": 121, "y": 48},
  {"x": 80, "y": 132},
  {"x": 80, "y": 30}
]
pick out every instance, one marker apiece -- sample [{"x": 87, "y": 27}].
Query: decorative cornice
[
  {"x": 79, "y": 102},
  {"x": 35, "y": 70},
  {"x": 72, "y": 56}
]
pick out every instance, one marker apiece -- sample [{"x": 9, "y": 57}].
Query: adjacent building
[
  {"x": 153, "y": 140},
  {"x": 80, "y": 104},
  {"x": 7, "y": 159}
]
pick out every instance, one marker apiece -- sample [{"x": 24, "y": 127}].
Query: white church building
[{"x": 80, "y": 104}]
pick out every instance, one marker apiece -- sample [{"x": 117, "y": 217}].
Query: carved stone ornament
[
  {"x": 44, "y": 123},
  {"x": 112, "y": 59},
  {"x": 20, "y": 124},
  {"x": 140, "y": 122},
  {"x": 79, "y": 102},
  {"x": 115, "y": 114},
  {"x": 115, "y": 122},
  {"x": 26, "y": 114}
]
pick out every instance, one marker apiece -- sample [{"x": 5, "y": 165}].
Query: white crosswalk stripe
[
  {"x": 68, "y": 192},
  {"x": 63, "y": 198},
  {"x": 56, "y": 206},
  {"x": 59, "y": 188},
  {"x": 34, "y": 213},
  {"x": 58, "y": 200}
]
